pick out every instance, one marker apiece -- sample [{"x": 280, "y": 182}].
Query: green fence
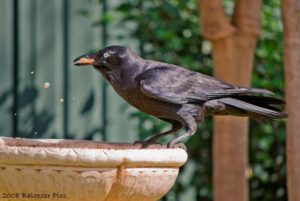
[{"x": 42, "y": 95}]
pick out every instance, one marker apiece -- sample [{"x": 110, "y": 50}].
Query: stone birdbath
[{"x": 64, "y": 170}]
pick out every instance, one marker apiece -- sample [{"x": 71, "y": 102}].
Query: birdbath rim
[
  {"x": 74, "y": 143},
  {"x": 85, "y": 153}
]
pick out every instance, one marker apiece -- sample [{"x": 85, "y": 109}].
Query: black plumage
[{"x": 177, "y": 95}]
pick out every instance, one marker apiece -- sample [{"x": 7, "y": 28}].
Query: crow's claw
[
  {"x": 176, "y": 146},
  {"x": 145, "y": 144}
]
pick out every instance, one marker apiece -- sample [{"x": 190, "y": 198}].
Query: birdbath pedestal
[{"x": 85, "y": 171}]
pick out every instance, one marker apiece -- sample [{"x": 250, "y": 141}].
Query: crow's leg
[
  {"x": 190, "y": 126},
  {"x": 175, "y": 127}
]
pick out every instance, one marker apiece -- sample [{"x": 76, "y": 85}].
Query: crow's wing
[{"x": 177, "y": 85}]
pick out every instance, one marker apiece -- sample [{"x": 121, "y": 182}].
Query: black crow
[{"x": 177, "y": 95}]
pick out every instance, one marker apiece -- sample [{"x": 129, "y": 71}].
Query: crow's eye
[{"x": 106, "y": 55}]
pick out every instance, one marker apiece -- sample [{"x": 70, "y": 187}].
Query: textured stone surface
[{"x": 80, "y": 170}]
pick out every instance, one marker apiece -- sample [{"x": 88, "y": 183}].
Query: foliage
[
  {"x": 267, "y": 141},
  {"x": 169, "y": 31}
]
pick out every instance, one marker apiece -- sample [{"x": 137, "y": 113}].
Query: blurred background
[{"x": 42, "y": 95}]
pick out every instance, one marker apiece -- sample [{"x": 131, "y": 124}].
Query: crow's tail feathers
[{"x": 260, "y": 108}]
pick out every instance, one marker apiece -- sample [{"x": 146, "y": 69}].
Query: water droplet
[
  {"x": 61, "y": 100},
  {"x": 46, "y": 85},
  {"x": 32, "y": 72},
  {"x": 15, "y": 114},
  {"x": 35, "y": 133}
]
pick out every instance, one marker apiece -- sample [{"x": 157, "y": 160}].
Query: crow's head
[{"x": 109, "y": 58}]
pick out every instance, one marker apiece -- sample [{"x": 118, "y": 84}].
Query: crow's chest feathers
[
  {"x": 113, "y": 77},
  {"x": 119, "y": 82}
]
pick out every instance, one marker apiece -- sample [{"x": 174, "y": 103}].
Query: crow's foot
[
  {"x": 145, "y": 144},
  {"x": 176, "y": 146}
]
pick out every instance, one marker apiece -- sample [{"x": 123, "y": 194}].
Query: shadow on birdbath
[{"x": 85, "y": 170}]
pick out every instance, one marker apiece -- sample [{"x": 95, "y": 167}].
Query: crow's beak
[{"x": 87, "y": 59}]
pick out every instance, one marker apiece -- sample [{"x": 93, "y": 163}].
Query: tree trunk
[
  {"x": 233, "y": 49},
  {"x": 291, "y": 58}
]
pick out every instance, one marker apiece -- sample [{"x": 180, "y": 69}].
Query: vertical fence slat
[
  {"x": 65, "y": 67},
  {"x": 15, "y": 61},
  {"x": 6, "y": 66},
  {"x": 33, "y": 61},
  {"x": 104, "y": 84}
]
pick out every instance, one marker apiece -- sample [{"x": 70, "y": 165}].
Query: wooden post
[
  {"x": 233, "y": 49},
  {"x": 291, "y": 58}
]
